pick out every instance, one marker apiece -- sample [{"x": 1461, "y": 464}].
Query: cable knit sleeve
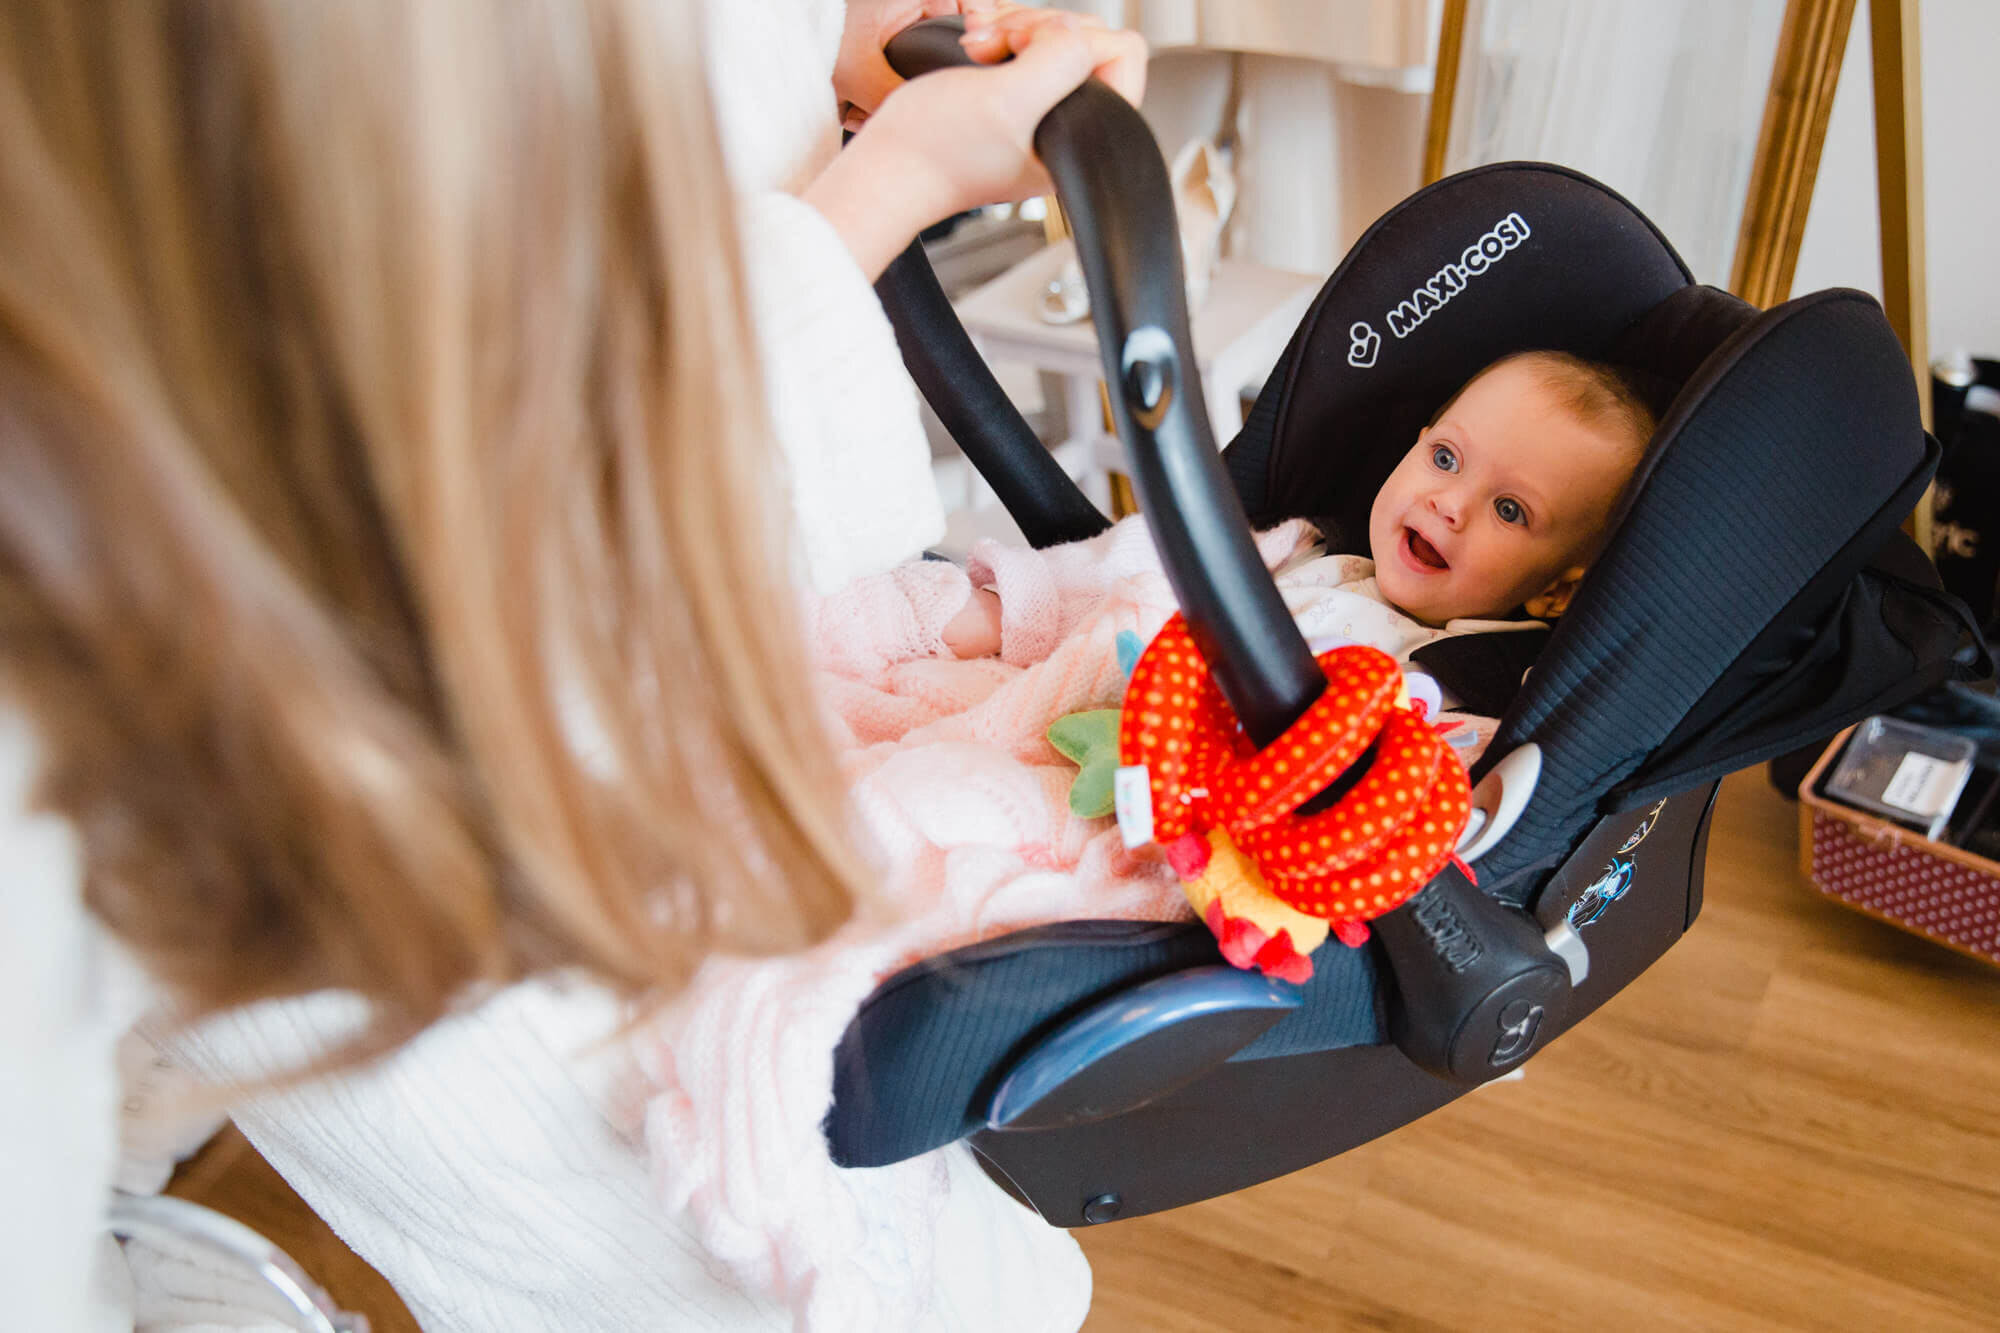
[
  {"x": 1045, "y": 594},
  {"x": 882, "y": 619}
]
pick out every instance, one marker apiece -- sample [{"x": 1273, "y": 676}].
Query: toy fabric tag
[
  {"x": 1923, "y": 784},
  {"x": 1132, "y": 798}
]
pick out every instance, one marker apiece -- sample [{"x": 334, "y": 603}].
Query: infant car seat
[{"x": 1758, "y": 592}]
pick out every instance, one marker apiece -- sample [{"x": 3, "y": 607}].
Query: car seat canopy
[
  {"x": 1496, "y": 260},
  {"x": 1785, "y": 462}
]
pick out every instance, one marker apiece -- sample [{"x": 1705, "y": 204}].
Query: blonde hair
[{"x": 381, "y": 557}]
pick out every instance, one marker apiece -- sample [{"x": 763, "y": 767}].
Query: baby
[
  {"x": 1507, "y": 495},
  {"x": 1499, "y": 506}
]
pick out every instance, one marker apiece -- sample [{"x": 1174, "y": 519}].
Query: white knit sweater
[
  {"x": 65, "y": 995},
  {"x": 842, "y": 407}
]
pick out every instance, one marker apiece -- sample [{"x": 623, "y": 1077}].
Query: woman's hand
[
  {"x": 961, "y": 138},
  {"x": 1118, "y": 55},
  {"x": 994, "y": 29},
  {"x": 973, "y": 129},
  {"x": 862, "y": 79}
]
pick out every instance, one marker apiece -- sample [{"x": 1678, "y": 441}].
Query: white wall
[
  {"x": 1370, "y": 151},
  {"x": 1320, "y": 158},
  {"x": 1960, "y": 57}
]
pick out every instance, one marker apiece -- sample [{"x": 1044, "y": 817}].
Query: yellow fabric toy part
[{"x": 1251, "y": 924}]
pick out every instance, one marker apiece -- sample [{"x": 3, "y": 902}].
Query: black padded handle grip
[
  {"x": 948, "y": 370},
  {"x": 988, "y": 429},
  {"x": 1113, "y": 185}
]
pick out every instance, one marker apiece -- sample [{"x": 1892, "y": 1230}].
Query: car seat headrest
[
  {"x": 1661, "y": 350},
  {"x": 1496, "y": 260}
]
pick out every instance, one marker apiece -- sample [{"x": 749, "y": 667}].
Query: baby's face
[{"x": 1506, "y": 493}]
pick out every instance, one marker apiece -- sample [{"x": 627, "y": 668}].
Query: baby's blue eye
[
  {"x": 1443, "y": 459},
  {"x": 1510, "y": 510}
]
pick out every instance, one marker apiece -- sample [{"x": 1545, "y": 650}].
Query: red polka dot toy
[{"x": 1271, "y": 882}]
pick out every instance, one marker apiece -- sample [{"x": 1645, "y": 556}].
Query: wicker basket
[{"x": 1942, "y": 893}]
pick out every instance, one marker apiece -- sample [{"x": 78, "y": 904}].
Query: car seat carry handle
[
  {"x": 1459, "y": 1022},
  {"x": 1113, "y": 186},
  {"x": 976, "y": 412}
]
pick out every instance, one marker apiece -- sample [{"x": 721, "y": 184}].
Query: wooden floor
[{"x": 1791, "y": 1122}]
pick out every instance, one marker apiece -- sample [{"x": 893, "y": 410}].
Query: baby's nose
[{"x": 1444, "y": 503}]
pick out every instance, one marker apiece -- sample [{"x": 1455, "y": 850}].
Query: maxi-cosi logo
[{"x": 1433, "y": 295}]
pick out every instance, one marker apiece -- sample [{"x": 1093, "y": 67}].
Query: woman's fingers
[
  {"x": 1118, "y": 56},
  {"x": 861, "y": 77},
  {"x": 1003, "y": 31},
  {"x": 1126, "y": 69},
  {"x": 1051, "y": 60},
  {"x": 974, "y": 10}
]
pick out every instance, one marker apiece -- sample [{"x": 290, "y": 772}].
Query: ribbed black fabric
[
  {"x": 1784, "y": 447},
  {"x": 1338, "y": 1008},
  {"x": 1891, "y": 635},
  {"x": 920, "y": 1062},
  {"x": 1247, "y": 458},
  {"x": 1664, "y": 348},
  {"x": 1483, "y": 670}
]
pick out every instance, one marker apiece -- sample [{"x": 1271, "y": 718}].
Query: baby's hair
[{"x": 1593, "y": 392}]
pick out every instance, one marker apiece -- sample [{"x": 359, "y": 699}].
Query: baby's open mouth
[{"x": 1423, "y": 551}]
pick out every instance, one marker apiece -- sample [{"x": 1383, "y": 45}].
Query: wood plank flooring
[{"x": 1791, "y": 1122}]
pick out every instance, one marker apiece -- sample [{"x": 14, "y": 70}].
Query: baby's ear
[{"x": 1553, "y": 600}]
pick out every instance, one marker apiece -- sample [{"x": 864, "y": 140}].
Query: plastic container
[{"x": 1904, "y": 772}]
